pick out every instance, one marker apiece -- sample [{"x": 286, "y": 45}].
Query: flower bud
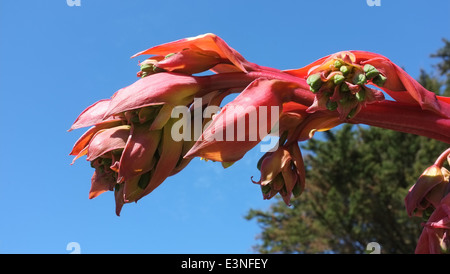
[
  {"x": 345, "y": 70},
  {"x": 189, "y": 61},
  {"x": 359, "y": 79},
  {"x": 379, "y": 80},
  {"x": 314, "y": 82},
  {"x": 427, "y": 191},
  {"x": 338, "y": 63},
  {"x": 370, "y": 71},
  {"x": 338, "y": 79},
  {"x": 282, "y": 171}
]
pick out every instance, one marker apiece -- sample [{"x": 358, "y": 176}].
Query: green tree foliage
[{"x": 357, "y": 178}]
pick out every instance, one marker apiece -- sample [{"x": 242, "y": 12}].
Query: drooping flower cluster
[
  {"x": 151, "y": 129},
  {"x": 429, "y": 197},
  {"x": 282, "y": 171}
]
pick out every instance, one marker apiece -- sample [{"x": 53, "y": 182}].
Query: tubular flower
[
  {"x": 193, "y": 55},
  {"x": 187, "y": 61},
  {"x": 426, "y": 194},
  {"x": 430, "y": 196},
  {"x": 92, "y": 115},
  {"x": 157, "y": 94},
  {"x": 435, "y": 237},
  {"x": 231, "y": 134},
  {"x": 301, "y": 125},
  {"x": 428, "y": 191},
  {"x": 282, "y": 171}
]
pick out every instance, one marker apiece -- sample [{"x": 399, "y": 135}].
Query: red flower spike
[
  {"x": 205, "y": 43},
  {"x": 223, "y": 141},
  {"x": 131, "y": 148}
]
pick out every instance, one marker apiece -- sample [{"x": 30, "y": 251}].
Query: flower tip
[
  {"x": 255, "y": 182},
  {"x": 227, "y": 164}
]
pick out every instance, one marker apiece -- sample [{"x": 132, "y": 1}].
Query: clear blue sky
[{"x": 55, "y": 60}]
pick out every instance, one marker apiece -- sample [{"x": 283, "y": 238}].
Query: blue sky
[{"x": 55, "y": 60}]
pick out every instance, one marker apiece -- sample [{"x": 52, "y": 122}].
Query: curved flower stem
[
  {"x": 386, "y": 114},
  {"x": 405, "y": 118},
  {"x": 221, "y": 81},
  {"x": 442, "y": 158}
]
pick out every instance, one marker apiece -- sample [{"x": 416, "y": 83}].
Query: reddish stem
[
  {"x": 442, "y": 158},
  {"x": 221, "y": 81},
  {"x": 405, "y": 118}
]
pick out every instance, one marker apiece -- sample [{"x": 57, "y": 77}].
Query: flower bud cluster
[{"x": 340, "y": 84}]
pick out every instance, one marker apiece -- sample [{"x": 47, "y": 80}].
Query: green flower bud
[
  {"x": 359, "y": 79},
  {"x": 338, "y": 78},
  {"x": 345, "y": 70},
  {"x": 147, "y": 67},
  {"x": 379, "y": 80},
  {"x": 370, "y": 71},
  {"x": 338, "y": 63},
  {"x": 314, "y": 82}
]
